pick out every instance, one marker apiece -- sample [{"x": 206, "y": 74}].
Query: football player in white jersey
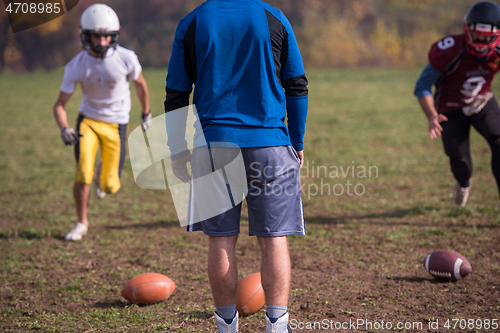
[{"x": 103, "y": 69}]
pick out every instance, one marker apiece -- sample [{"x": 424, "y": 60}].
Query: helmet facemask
[
  {"x": 481, "y": 48},
  {"x": 99, "y": 50}
]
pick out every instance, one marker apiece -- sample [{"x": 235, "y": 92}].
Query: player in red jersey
[{"x": 462, "y": 67}]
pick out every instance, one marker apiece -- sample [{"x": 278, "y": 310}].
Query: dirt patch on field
[{"x": 348, "y": 274}]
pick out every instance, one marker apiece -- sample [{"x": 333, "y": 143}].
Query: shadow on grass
[
  {"x": 40, "y": 234},
  {"x": 119, "y": 304},
  {"x": 399, "y": 213},
  {"x": 413, "y": 211},
  {"x": 110, "y": 305},
  {"x": 154, "y": 225},
  {"x": 416, "y": 279},
  {"x": 29, "y": 234},
  {"x": 197, "y": 314}
]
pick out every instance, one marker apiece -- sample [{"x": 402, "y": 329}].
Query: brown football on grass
[
  {"x": 250, "y": 296},
  {"x": 148, "y": 288}
]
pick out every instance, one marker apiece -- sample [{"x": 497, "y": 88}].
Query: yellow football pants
[{"x": 111, "y": 137}]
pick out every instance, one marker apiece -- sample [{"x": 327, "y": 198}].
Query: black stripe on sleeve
[
  {"x": 122, "y": 131},
  {"x": 190, "y": 62},
  {"x": 279, "y": 42},
  {"x": 176, "y": 99},
  {"x": 77, "y": 145},
  {"x": 296, "y": 86}
]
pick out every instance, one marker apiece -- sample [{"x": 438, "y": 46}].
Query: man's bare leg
[
  {"x": 222, "y": 270},
  {"x": 275, "y": 270},
  {"x": 81, "y": 194}
]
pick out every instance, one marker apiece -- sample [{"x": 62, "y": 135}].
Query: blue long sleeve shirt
[
  {"x": 247, "y": 71},
  {"x": 426, "y": 80}
]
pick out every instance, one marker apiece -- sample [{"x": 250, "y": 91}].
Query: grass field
[{"x": 360, "y": 260}]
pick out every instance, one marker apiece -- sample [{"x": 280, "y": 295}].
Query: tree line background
[{"x": 330, "y": 33}]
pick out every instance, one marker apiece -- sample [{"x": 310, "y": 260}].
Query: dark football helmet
[{"x": 483, "y": 19}]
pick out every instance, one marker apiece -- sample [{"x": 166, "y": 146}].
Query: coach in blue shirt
[{"x": 244, "y": 61}]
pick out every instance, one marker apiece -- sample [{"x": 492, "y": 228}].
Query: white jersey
[{"x": 105, "y": 83}]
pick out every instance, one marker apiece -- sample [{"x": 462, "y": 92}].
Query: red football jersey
[{"x": 464, "y": 77}]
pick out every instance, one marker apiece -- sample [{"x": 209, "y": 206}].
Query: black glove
[
  {"x": 146, "y": 121},
  {"x": 70, "y": 136}
]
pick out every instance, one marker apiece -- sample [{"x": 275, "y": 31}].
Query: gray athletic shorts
[{"x": 274, "y": 198}]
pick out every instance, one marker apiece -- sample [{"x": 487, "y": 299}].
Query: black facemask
[{"x": 99, "y": 50}]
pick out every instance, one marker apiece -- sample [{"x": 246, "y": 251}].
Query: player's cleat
[
  {"x": 78, "y": 231},
  {"x": 460, "y": 195},
  {"x": 99, "y": 193},
  {"x": 280, "y": 326},
  {"x": 223, "y": 327}
]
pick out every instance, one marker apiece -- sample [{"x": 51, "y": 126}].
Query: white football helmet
[{"x": 101, "y": 19}]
